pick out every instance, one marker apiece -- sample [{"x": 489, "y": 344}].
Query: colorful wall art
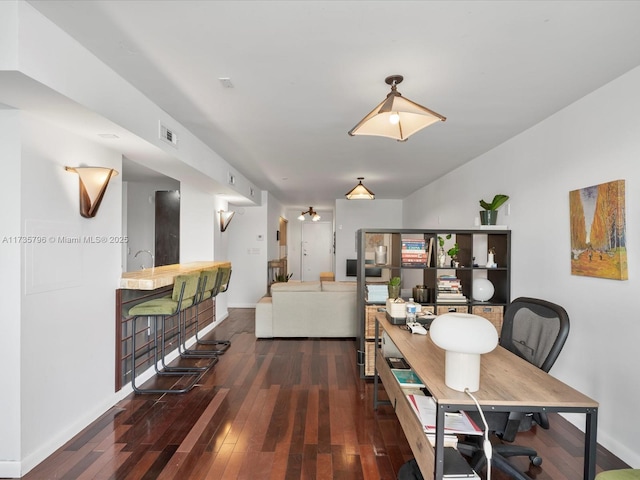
[{"x": 598, "y": 234}]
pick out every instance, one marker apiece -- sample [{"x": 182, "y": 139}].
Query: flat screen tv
[{"x": 352, "y": 268}]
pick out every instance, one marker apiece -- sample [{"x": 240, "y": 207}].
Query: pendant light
[
  {"x": 312, "y": 213},
  {"x": 360, "y": 192},
  {"x": 396, "y": 117}
]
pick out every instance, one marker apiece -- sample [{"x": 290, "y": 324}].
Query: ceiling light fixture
[
  {"x": 312, "y": 213},
  {"x": 360, "y": 192},
  {"x": 396, "y": 117}
]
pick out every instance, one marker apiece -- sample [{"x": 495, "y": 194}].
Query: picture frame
[{"x": 598, "y": 231}]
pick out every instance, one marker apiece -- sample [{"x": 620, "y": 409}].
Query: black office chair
[{"x": 535, "y": 330}]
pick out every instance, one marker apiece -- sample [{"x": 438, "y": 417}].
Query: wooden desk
[{"x": 507, "y": 383}]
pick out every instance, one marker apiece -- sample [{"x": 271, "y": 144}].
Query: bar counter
[{"x": 157, "y": 277}]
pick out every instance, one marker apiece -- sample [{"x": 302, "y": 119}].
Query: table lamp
[{"x": 464, "y": 337}]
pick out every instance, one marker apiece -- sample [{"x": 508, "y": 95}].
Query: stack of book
[
  {"x": 377, "y": 293},
  {"x": 450, "y": 290},
  {"x": 414, "y": 252}
]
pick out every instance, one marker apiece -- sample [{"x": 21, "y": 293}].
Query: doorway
[{"x": 317, "y": 250}]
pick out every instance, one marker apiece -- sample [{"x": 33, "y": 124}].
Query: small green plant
[
  {"x": 394, "y": 281},
  {"x": 442, "y": 239},
  {"x": 453, "y": 251},
  {"x": 283, "y": 278},
  {"x": 496, "y": 203}
]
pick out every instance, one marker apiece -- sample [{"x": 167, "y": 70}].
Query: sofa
[{"x": 308, "y": 309}]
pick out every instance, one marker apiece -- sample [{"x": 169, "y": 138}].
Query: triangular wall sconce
[
  {"x": 225, "y": 219},
  {"x": 93, "y": 184}
]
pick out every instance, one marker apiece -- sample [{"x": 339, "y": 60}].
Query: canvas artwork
[{"x": 598, "y": 234}]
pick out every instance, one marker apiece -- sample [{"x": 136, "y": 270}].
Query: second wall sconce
[
  {"x": 225, "y": 219},
  {"x": 93, "y": 184}
]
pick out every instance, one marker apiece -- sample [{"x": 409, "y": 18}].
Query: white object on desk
[
  {"x": 464, "y": 337},
  {"x": 417, "y": 328}
]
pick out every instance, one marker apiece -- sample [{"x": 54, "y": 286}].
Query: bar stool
[
  {"x": 211, "y": 281},
  {"x": 161, "y": 309}
]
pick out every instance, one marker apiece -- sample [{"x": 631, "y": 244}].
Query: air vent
[
  {"x": 168, "y": 135},
  {"x": 231, "y": 179}
]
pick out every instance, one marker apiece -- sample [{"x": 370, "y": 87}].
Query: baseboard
[{"x": 10, "y": 469}]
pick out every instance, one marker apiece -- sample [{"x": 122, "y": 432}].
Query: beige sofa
[{"x": 308, "y": 309}]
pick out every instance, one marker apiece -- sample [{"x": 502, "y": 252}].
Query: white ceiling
[{"x": 305, "y": 72}]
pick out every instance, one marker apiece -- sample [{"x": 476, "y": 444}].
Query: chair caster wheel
[{"x": 535, "y": 460}]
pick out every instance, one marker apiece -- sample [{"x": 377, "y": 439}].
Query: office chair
[{"x": 536, "y": 331}]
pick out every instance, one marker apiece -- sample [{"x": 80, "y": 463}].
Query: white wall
[
  {"x": 198, "y": 221},
  {"x": 593, "y": 141},
  {"x": 10, "y": 290},
  {"x": 67, "y": 333},
  {"x": 247, "y": 251},
  {"x": 351, "y": 215}
]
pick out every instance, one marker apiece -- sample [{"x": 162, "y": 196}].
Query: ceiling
[{"x": 305, "y": 72}]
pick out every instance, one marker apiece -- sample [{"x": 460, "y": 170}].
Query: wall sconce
[
  {"x": 225, "y": 219},
  {"x": 93, "y": 184},
  {"x": 312, "y": 213}
]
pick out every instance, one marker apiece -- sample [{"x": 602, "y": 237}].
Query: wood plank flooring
[{"x": 271, "y": 409}]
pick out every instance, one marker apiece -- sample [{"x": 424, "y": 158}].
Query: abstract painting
[{"x": 598, "y": 233}]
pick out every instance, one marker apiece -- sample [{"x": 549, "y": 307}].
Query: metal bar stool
[
  {"x": 161, "y": 309},
  {"x": 207, "y": 284},
  {"x": 211, "y": 282}
]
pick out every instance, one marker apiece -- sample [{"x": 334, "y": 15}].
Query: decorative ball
[{"x": 482, "y": 289}]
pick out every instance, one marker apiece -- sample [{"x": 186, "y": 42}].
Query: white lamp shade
[
  {"x": 482, "y": 289},
  {"x": 408, "y": 118},
  {"x": 464, "y": 337}
]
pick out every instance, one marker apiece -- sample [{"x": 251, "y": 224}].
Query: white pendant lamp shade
[
  {"x": 396, "y": 117},
  {"x": 464, "y": 337},
  {"x": 360, "y": 192}
]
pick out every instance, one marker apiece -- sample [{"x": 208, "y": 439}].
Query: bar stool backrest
[
  {"x": 225, "y": 275},
  {"x": 190, "y": 283},
  {"x": 208, "y": 280}
]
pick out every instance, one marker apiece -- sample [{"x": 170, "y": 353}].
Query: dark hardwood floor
[{"x": 271, "y": 409}]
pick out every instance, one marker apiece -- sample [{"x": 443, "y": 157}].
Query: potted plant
[
  {"x": 453, "y": 253},
  {"x": 283, "y": 278},
  {"x": 489, "y": 215},
  {"x": 394, "y": 287}
]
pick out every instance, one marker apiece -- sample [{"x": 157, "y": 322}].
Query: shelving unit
[{"x": 474, "y": 245}]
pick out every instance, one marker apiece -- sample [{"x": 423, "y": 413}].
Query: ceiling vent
[
  {"x": 231, "y": 179},
  {"x": 168, "y": 135}
]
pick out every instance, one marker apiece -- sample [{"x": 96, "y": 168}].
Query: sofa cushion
[
  {"x": 339, "y": 286},
  {"x": 295, "y": 287}
]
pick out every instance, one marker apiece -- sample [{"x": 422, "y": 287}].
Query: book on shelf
[
  {"x": 430, "y": 251},
  {"x": 397, "y": 363},
  {"x": 450, "y": 440},
  {"x": 455, "y": 466},
  {"x": 407, "y": 378},
  {"x": 456, "y": 423}
]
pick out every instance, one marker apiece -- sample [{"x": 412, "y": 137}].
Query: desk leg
[
  {"x": 375, "y": 369},
  {"x": 439, "y": 448},
  {"x": 590, "y": 443}
]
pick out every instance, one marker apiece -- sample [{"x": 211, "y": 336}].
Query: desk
[{"x": 507, "y": 383}]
